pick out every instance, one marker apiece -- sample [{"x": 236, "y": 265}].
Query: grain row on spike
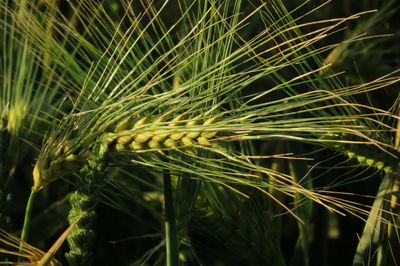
[{"x": 155, "y": 138}]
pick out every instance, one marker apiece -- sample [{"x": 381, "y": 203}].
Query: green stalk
[
  {"x": 172, "y": 245},
  {"x": 28, "y": 214}
]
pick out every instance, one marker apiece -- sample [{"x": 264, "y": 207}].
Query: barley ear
[{"x": 83, "y": 204}]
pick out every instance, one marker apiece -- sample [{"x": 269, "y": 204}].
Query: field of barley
[{"x": 204, "y": 132}]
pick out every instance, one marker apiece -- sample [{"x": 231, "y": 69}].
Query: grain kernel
[
  {"x": 361, "y": 159},
  {"x": 124, "y": 125},
  {"x": 136, "y": 146},
  {"x": 170, "y": 143},
  {"x": 141, "y": 122},
  {"x": 159, "y": 136},
  {"x": 211, "y": 120},
  {"x": 379, "y": 165},
  {"x": 209, "y": 135},
  {"x": 143, "y": 137},
  {"x": 177, "y": 136},
  {"x": 154, "y": 145},
  {"x": 121, "y": 147},
  {"x": 192, "y": 135},
  {"x": 203, "y": 141},
  {"x": 370, "y": 162},
  {"x": 187, "y": 141},
  {"x": 124, "y": 139}
]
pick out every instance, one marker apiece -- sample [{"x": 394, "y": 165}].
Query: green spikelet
[
  {"x": 135, "y": 146},
  {"x": 141, "y": 122},
  {"x": 159, "y": 136},
  {"x": 169, "y": 143},
  {"x": 187, "y": 141},
  {"x": 364, "y": 155},
  {"x": 83, "y": 204},
  {"x": 203, "y": 141},
  {"x": 121, "y": 147},
  {"x": 154, "y": 145},
  {"x": 57, "y": 163},
  {"x": 211, "y": 134},
  {"x": 379, "y": 161},
  {"x": 176, "y": 122},
  {"x": 124, "y": 125},
  {"x": 143, "y": 137},
  {"x": 194, "y": 122},
  {"x": 124, "y": 139}
]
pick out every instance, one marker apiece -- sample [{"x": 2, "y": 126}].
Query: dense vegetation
[{"x": 262, "y": 132}]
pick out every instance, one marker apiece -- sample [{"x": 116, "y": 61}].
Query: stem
[
  {"x": 27, "y": 219},
  {"x": 172, "y": 245}
]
